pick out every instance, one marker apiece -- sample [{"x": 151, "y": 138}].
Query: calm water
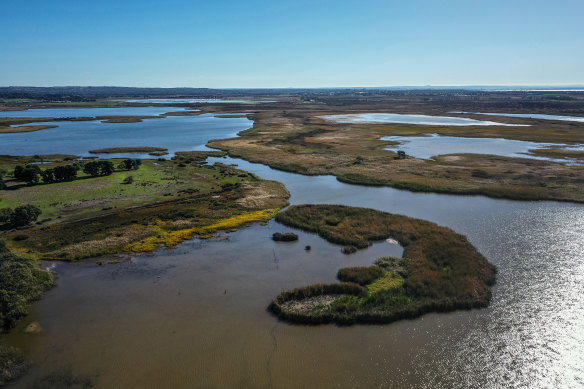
[
  {"x": 530, "y": 116},
  {"x": 434, "y": 144},
  {"x": 88, "y": 112},
  {"x": 176, "y": 133},
  {"x": 195, "y": 316},
  {"x": 411, "y": 119},
  {"x": 214, "y": 101}
]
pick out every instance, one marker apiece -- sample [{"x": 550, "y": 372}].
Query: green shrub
[
  {"x": 24, "y": 215},
  {"x": 21, "y": 281},
  {"x": 284, "y": 236},
  {"x": 349, "y": 249}
]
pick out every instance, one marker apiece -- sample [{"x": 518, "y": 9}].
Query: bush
[
  {"x": 59, "y": 174},
  {"x": 21, "y": 281},
  {"x": 20, "y": 237},
  {"x": 5, "y": 214},
  {"x": 98, "y": 168},
  {"x": 130, "y": 164},
  {"x": 128, "y": 180},
  {"x": 24, "y": 215},
  {"x": 2, "y": 184},
  {"x": 28, "y": 174},
  {"x": 349, "y": 250},
  {"x": 362, "y": 275},
  {"x": 284, "y": 237}
]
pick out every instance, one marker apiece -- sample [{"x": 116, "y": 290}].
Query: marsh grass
[{"x": 440, "y": 270}]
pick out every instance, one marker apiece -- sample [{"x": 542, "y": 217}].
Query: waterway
[{"x": 195, "y": 316}]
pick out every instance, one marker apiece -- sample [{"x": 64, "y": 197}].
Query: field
[
  {"x": 172, "y": 200},
  {"x": 440, "y": 270}
]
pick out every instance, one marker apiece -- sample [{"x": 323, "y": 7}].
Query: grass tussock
[
  {"x": 440, "y": 270},
  {"x": 362, "y": 275}
]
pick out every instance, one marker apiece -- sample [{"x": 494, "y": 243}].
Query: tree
[
  {"x": 5, "y": 214},
  {"x": 30, "y": 175},
  {"x": 130, "y": 164},
  {"x": 24, "y": 215},
  {"x": 18, "y": 172},
  {"x": 59, "y": 174},
  {"x": 99, "y": 168},
  {"x": 2, "y": 184}
]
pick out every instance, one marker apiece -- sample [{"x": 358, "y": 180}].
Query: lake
[
  {"x": 529, "y": 116},
  {"x": 195, "y": 316},
  {"x": 176, "y": 133},
  {"x": 434, "y": 144},
  {"x": 375, "y": 118},
  {"x": 202, "y": 101},
  {"x": 89, "y": 112}
]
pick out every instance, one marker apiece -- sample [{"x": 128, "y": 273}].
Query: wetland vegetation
[
  {"x": 440, "y": 270},
  {"x": 21, "y": 282},
  {"x": 165, "y": 202}
]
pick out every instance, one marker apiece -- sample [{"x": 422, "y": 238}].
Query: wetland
[{"x": 178, "y": 316}]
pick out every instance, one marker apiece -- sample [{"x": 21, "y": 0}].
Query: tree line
[{"x": 33, "y": 174}]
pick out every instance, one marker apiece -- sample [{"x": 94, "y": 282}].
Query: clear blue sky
[{"x": 291, "y": 43}]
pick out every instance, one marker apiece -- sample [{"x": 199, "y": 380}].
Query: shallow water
[
  {"x": 88, "y": 112},
  {"x": 195, "y": 316},
  {"x": 183, "y": 101},
  {"x": 434, "y": 144},
  {"x": 411, "y": 119},
  {"x": 529, "y": 116},
  {"x": 176, "y": 133}
]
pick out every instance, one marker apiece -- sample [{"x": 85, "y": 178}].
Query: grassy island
[
  {"x": 440, "y": 270},
  {"x": 136, "y": 149},
  {"x": 158, "y": 203}
]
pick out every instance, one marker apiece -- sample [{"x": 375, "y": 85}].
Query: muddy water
[{"x": 195, "y": 316}]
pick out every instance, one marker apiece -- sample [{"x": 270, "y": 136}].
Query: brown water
[{"x": 195, "y": 316}]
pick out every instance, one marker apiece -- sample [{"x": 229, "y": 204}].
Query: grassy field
[
  {"x": 440, "y": 270},
  {"x": 169, "y": 200},
  {"x": 300, "y": 142}
]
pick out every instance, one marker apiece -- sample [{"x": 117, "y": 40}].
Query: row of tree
[{"x": 32, "y": 174}]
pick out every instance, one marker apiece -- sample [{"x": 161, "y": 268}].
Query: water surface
[
  {"x": 195, "y": 316},
  {"x": 434, "y": 144},
  {"x": 411, "y": 119},
  {"x": 203, "y": 101},
  {"x": 88, "y": 112},
  {"x": 176, "y": 133},
  {"x": 529, "y": 116}
]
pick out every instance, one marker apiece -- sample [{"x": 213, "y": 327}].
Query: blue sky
[{"x": 293, "y": 43}]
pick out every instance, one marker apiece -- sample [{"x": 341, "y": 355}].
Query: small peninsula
[{"x": 440, "y": 270}]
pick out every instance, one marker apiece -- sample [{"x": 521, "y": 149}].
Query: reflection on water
[
  {"x": 195, "y": 316},
  {"x": 434, "y": 144},
  {"x": 411, "y": 119}
]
